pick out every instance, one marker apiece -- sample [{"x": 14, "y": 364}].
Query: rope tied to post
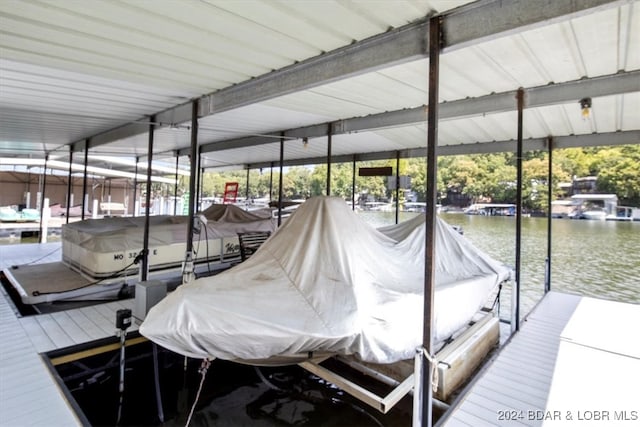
[
  {"x": 435, "y": 376},
  {"x": 204, "y": 367}
]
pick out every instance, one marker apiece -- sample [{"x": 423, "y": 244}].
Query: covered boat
[
  {"x": 327, "y": 283},
  {"x": 108, "y": 246}
]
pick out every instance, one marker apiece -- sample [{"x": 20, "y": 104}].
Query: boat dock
[
  {"x": 29, "y": 394},
  {"x": 574, "y": 356},
  {"x": 575, "y": 360}
]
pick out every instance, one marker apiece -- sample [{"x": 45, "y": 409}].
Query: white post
[
  {"x": 417, "y": 388},
  {"x": 38, "y": 199},
  {"x": 161, "y": 206},
  {"x": 136, "y": 208},
  {"x": 94, "y": 214},
  {"x": 27, "y": 201},
  {"x": 46, "y": 214},
  {"x": 514, "y": 303},
  {"x": 109, "y": 205},
  {"x": 71, "y": 201}
]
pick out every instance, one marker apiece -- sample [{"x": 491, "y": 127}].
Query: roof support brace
[
  {"x": 536, "y": 97},
  {"x": 471, "y": 24}
]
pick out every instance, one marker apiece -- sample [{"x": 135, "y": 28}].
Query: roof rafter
[
  {"x": 474, "y": 23},
  {"x": 534, "y": 97},
  {"x": 533, "y": 144}
]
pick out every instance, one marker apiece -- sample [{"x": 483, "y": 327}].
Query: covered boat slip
[
  {"x": 326, "y": 283},
  {"x": 100, "y": 257},
  {"x": 264, "y": 85}
]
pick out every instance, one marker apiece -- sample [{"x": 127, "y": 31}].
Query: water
[
  {"x": 232, "y": 394},
  {"x": 593, "y": 258}
]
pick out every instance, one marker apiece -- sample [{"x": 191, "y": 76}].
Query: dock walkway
[
  {"x": 28, "y": 393},
  {"x": 575, "y": 361}
]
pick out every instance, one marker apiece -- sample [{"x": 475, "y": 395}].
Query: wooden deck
[
  {"x": 28, "y": 393},
  {"x": 575, "y": 361}
]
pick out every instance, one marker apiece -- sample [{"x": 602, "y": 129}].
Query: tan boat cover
[
  {"x": 327, "y": 282},
  {"x": 125, "y": 233}
]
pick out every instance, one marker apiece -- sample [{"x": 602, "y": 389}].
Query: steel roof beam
[
  {"x": 469, "y": 24},
  {"x": 532, "y": 144},
  {"x": 489, "y": 104}
]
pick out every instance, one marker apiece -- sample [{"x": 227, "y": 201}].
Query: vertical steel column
[
  {"x": 135, "y": 187},
  {"x": 200, "y": 178},
  {"x": 247, "y": 192},
  {"x": 426, "y": 412},
  {"x": 144, "y": 267},
  {"x": 397, "y": 186},
  {"x": 520, "y": 99},
  {"x": 84, "y": 179},
  {"x": 353, "y": 184},
  {"x": 44, "y": 186},
  {"x": 547, "y": 279},
  {"x": 192, "y": 178},
  {"x": 175, "y": 187},
  {"x": 280, "y": 180},
  {"x": 69, "y": 185},
  {"x": 271, "y": 183},
  {"x": 329, "y": 138}
]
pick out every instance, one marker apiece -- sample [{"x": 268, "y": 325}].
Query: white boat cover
[{"x": 327, "y": 282}]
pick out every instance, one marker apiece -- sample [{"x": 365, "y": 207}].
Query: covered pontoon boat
[
  {"x": 327, "y": 283},
  {"x": 98, "y": 255}
]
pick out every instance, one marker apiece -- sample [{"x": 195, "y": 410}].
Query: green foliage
[{"x": 481, "y": 177}]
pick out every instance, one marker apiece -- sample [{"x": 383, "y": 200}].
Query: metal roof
[{"x": 101, "y": 72}]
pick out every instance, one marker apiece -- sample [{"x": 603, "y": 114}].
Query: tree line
[{"x": 479, "y": 177}]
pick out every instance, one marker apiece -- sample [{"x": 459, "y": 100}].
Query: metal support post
[
  {"x": 425, "y": 409},
  {"x": 329, "y": 138},
  {"x": 69, "y": 186},
  {"x": 43, "y": 229},
  {"x": 84, "y": 178},
  {"x": 144, "y": 268},
  {"x": 516, "y": 309},
  {"x": 397, "y": 186},
  {"x": 246, "y": 203},
  {"x": 280, "y": 183},
  {"x": 353, "y": 184},
  {"x": 188, "y": 267},
  {"x": 135, "y": 188},
  {"x": 175, "y": 187},
  {"x": 547, "y": 278},
  {"x": 271, "y": 183}
]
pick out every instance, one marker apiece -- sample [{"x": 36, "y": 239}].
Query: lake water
[{"x": 593, "y": 258}]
